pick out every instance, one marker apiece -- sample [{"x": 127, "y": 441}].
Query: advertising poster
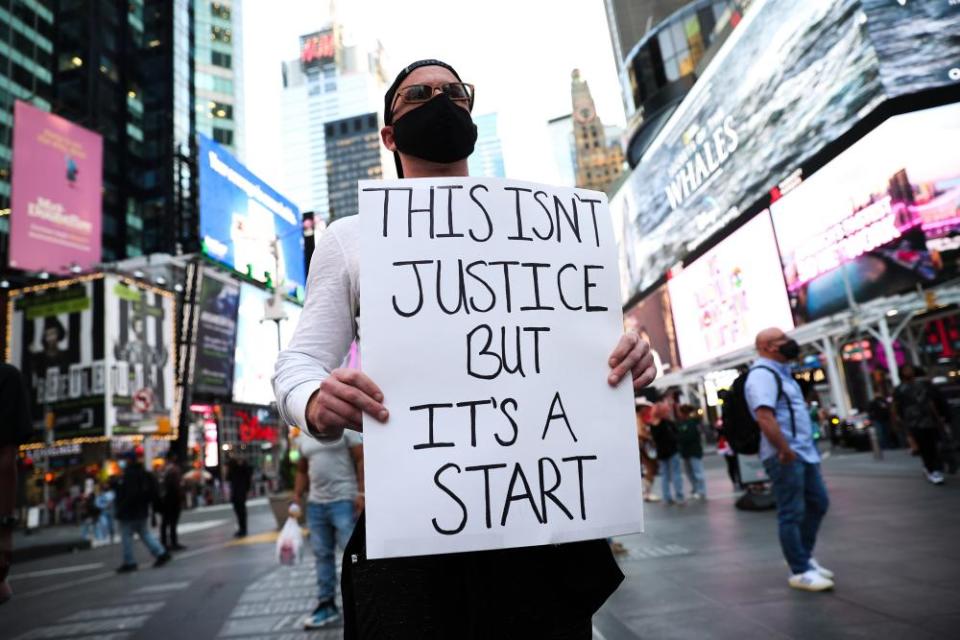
[
  {"x": 652, "y": 318},
  {"x": 216, "y": 335},
  {"x": 257, "y": 346},
  {"x": 881, "y": 218},
  {"x": 242, "y": 217},
  {"x": 489, "y": 332},
  {"x": 140, "y": 340},
  {"x": 57, "y": 341},
  {"x": 55, "y": 205},
  {"x": 731, "y": 293}
]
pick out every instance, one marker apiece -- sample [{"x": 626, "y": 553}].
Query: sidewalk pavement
[{"x": 707, "y": 570}]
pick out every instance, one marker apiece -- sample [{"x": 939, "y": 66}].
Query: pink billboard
[{"x": 55, "y": 207}]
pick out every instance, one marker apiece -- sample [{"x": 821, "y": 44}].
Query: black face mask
[
  {"x": 438, "y": 131},
  {"x": 789, "y": 349}
]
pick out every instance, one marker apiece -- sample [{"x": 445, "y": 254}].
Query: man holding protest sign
[{"x": 521, "y": 585}]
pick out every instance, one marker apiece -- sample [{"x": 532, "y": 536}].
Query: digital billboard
[
  {"x": 728, "y": 295},
  {"x": 55, "y": 204},
  {"x": 317, "y": 49},
  {"x": 140, "y": 338},
  {"x": 652, "y": 318},
  {"x": 881, "y": 218},
  {"x": 242, "y": 217},
  {"x": 257, "y": 346},
  {"x": 56, "y": 339},
  {"x": 216, "y": 335},
  {"x": 792, "y": 78}
]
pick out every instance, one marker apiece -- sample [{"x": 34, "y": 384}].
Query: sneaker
[
  {"x": 324, "y": 615},
  {"x": 651, "y": 497},
  {"x": 126, "y": 568},
  {"x": 177, "y": 547},
  {"x": 810, "y": 580},
  {"x": 935, "y": 477},
  {"x": 162, "y": 560},
  {"x": 826, "y": 573}
]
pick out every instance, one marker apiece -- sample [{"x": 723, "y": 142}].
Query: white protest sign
[{"x": 489, "y": 311}]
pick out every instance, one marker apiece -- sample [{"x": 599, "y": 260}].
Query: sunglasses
[{"x": 416, "y": 93}]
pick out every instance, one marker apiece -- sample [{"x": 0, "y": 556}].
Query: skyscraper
[
  {"x": 353, "y": 153},
  {"x": 598, "y": 163},
  {"x": 218, "y": 72},
  {"x": 145, "y": 74},
  {"x": 329, "y": 82},
  {"x": 26, "y": 64},
  {"x": 487, "y": 158}
]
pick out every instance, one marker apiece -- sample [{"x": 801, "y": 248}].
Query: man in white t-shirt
[{"x": 332, "y": 477}]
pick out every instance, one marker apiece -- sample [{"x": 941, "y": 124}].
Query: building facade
[
  {"x": 26, "y": 73},
  {"x": 218, "y": 72},
  {"x": 598, "y": 162},
  {"x": 147, "y": 75},
  {"x": 487, "y": 158},
  {"x": 328, "y": 83},
  {"x": 660, "y": 48},
  {"x": 353, "y": 153}
]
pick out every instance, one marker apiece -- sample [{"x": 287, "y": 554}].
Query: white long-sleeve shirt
[{"x": 328, "y": 323}]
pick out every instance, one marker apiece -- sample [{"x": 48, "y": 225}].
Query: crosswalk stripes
[{"x": 274, "y": 607}]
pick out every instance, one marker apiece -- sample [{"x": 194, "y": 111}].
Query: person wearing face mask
[
  {"x": 790, "y": 456},
  {"x": 549, "y": 591}
]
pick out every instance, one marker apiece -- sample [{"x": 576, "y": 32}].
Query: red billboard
[{"x": 55, "y": 218}]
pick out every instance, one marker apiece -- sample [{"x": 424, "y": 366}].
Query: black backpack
[{"x": 739, "y": 425}]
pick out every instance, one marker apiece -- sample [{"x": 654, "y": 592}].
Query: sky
[{"x": 518, "y": 53}]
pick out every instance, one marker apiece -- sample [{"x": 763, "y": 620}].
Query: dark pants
[
  {"x": 733, "y": 470},
  {"x": 510, "y": 594},
  {"x": 240, "y": 508},
  {"x": 169, "y": 518},
  {"x": 928, "y": 441},
  {"x": 801, "y": 504}
]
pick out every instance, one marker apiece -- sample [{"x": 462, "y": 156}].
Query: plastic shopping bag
[{"x": 290, "y": 543}]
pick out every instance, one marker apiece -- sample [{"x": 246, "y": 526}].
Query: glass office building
[
  {"x": 26, "y": 64},
  {"x": 353, "y": 153}
]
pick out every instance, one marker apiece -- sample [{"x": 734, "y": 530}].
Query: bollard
[{"x": 875, "y": 443}]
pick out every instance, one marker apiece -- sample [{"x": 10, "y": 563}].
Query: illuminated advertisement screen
[
  {"x": 791, "y": 79},
  {"x": 731, "y": 293},
  {"x": 257, "y": 346},
  {"x": 140, "y": 337},
  {"x": 881, "y": 218},
  {"x": 652, "y": 318},
  {"x": 242, "y": 217},
  {"x": 317, "y": 49},
  {"x": 216, "y": 335},
  {"x": 56, "y": 340},
  {"x": 55, "y": 205}
]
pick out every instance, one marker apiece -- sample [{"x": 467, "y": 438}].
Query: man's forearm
[
  {"x": 771, "y": 429},
  {"x": 300, "y": 484}
]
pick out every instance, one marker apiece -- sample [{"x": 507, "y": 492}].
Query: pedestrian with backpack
[
  {"x": 779, "y": 417},
  {"x": 922, "y": 411},
  {"x": 136, "y": 492}
]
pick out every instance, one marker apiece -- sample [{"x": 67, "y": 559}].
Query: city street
[{"x": 704, "y": 570}]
